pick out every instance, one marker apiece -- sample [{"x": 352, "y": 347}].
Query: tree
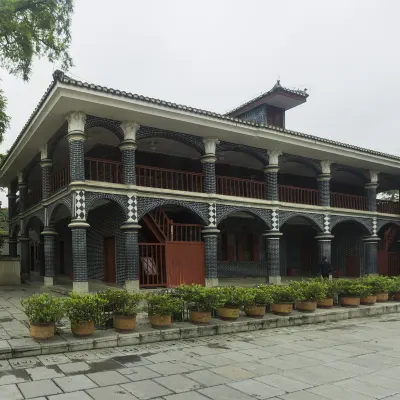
[
  {"x": 30, "y": 28},
  {"x": 392, "y": 195}
]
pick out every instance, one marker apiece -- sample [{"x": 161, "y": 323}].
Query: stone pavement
[{"x": 356, "y": 359}]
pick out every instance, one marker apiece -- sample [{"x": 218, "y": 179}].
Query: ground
[{"x": 357, "y": 359}]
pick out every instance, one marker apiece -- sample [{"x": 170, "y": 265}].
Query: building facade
[{"x": 112, "y": 186}]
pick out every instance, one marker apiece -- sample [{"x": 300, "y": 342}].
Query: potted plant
[
  {"x": 256, "y": 300},
  {"x": 394, "y": 288},
  {"x": 380, "y": 286},
  {"x": 350, "y": 292},
  {"x": 283, "y": 298},
  {"x": 309, "y": 292},
  {"x": 234, "y": 300},
  {"x": 330, "y": 287},
  {"x": 160, "y": 307},
  {"x": 43, "y": 311},
  {"x": 83, "y": 311},
  {"x": 201, "y": 301}
]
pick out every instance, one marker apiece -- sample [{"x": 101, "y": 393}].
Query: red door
[{"x": 109, "y": 260}]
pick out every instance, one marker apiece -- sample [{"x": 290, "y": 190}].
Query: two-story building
[{"x": 145, "y": 193}]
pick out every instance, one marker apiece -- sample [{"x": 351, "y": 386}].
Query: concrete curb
[{"x": 64, "y": 343}]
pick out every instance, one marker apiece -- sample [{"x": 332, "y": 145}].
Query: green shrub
[
  {"x": 330, "y": 287},
  {"x": 310, "y": 290},
  {"x": 352, "y": 287},
  {"x": 85, "y": 308},
  {"x": 43, "y": 308},
  {"x": 394, "y": 284},
  {"x": 258, "y": 296},
  {"x": 234, "y": 296},
  {"x": 200, "y": 298},
  {"x": 121, "y": 301},
  {"x": 377, "y": 284},
  {"x": 284, "y": 294},
  {"x": 163, "y": 304}
]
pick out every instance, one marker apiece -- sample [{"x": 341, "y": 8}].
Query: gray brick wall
[
  {"x": 131, "y": 255},
  {"x": 324, "y": 250},
  {"x": 324, "y": 186},
  {"x": 211, "y": 250},
  {"x": 273, "y": 258},
  {"x": 371, "y": 258},
  {"x": 271, "y": 185}
]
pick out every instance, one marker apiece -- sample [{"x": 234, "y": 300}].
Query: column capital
[
  {"x": 373, "y": 176},
  {"x": 49, "y": 232},
  {"x": 273, "y": 157},
  {"x": 128, "y": 145},
  {"x": 76, "y": 123},
  {"x": 130, "y": 128},
  {"x": 325, "y": 167},
  {"x": 210, "y": 146},
  {"x": 271, "y": 168},
  {"x": 44, "y": 152},
  {"x": 130, "y": 226},
  {"x": 371, "y": 185},
  {"x": 324, "y": 237},
  {"x": 46, "y": 163}
]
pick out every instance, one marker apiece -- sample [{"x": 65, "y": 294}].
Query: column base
[
  {"x": 132, "y": 286},
  {"x": 80, "y": 287},
  {"x": 211, "y": 282},
  {"x": 48, "y": 281},
  {"x": 275, "y": 280}
]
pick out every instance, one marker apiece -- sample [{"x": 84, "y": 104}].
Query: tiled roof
[
  {"x": 277, "y": 87},
  {"x": 59, "y": 76}
]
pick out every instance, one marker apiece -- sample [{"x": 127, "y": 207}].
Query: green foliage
[
  {"x": 284, "y": 294},
  {"x": 352, "y": 287},
  {"x": 330, "y": 287},
  {"x": 43, "y": 308},
  {"x": 377, "y": 284},
  {"x": 121, "y": 301},
  {"x": 258, "y": 296},
  {"x": 84, "y": 308},
  {"x": 200, "y": 298},
  {"x": 4, "y": 118},
  {"x": 163, "y": 304},
  {"x": 310, "y": 290},
  {"x": 394, "y": 284},
  {"x": 234, "y": 296}
]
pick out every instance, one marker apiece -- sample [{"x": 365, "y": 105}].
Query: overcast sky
[{"x": 217, "y": 54}]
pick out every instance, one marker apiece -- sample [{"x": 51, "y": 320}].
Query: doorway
[{"x": 109, "y": 260}]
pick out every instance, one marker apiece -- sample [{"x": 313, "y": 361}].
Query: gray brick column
[
  {"x": 128, "y": 149},
  {"x": 370, "y": 189},
  {"x": 23, "y": 193},
  {"x": 324, "y": 246},
  {"x": 208, "y": 165},
  {"x": 79, "y": 255},
  {"x": 76, "y": 139},
  {"x": 371, "y": 255},
  {"x": 210, "y": 237},
  {"x": 50, "y": 240},
  {"x": 324, "y": 184},
  {"x": 271, "y": 175},
  {"x": 25, "y": 259},
  {"x": 131, "y": 248},
  {"x": 12, "y": 247},
  {"x": 47, "y": 170},
  {"x": 273, "y": 257}
]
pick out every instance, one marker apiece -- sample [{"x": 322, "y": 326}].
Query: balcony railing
[
  {"x": 34, "y": 196},
  {"x": 240, "y": 187},
  {"x": 169, "y": 179},
  {"x": 60, "y": 179},
  {"x": 353, "y": 202},
  {"x": 298, "y": 195},
  {"x": 103, "y": 170},
  {"x": 388, "y": 206}
]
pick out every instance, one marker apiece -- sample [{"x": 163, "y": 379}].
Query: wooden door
[
  {"x": 109, "y": 260},
  {"x": 353, "y": 266},
  {"x": 185, "y": 263}
]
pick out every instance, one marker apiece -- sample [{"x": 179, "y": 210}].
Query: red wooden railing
[
  {"x": 60, "y": 179},
  {"x": 293, "y": 194},
  {"x": 240, "y": 187},
  {"x": 34, "y": 196},
  {"x": 152, "y": 265},
  {"x": 103, "y": 170},
  {"x": 353, "y": 202},
  {"x": 169, "y": 179},
  {"x": 388, "y": 206},
  {"x": 162, "y": 221}
]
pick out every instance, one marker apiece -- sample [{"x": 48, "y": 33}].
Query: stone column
[
  {"x": 324, "y": 185},
  {"x": 371, "y": 191},
  {"x": 371, "y": 255},
  {"x": 23, "y": 192},
  {"x": 208, "y": 165},
  {"x": 76, "y": 139},
  {"x": 50, "y": 239},
  {"x": 79, "y": 255},
  {"x": 273, "y": 257},
  {"x": 131, "y": 230},
  {"x": 47, "y": 169},
  {"x": 210, "y": 237},
  {"x": 128, "y": 149},
  {"x": 271, "y": 175}
]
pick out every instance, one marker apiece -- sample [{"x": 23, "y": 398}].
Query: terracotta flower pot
[
  {"x": 200, "y": 317},
  {"x": 124, "y": 323},
  {"x": 368, "y": 300},
  {"x": 396, "y": 296},
  {"x": 255, "y": 311},
  {"x": 83, "y": 329},
  {"x": 160, "y": 321},
  {"x": 325, "y": 303},
  {"x": 349, "y": 301},
  {"x": 229, "y": 313},
  {"x": 282, "y": 308},
  {"x": 308, "y": 306},
  {"x": 382, "y": 297},
  {"x": 40, "y": 332}
]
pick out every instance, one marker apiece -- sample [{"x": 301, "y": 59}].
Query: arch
[
  {"x": 312, "y": 164},
  {"x": 31, "y": 222},
  {"x": 57, "y": 137},
  {"x": 54, "y": 209},
  {"x": 383, "y": 223},
  {"x": 121, "y": 201},
  {"x": 145, "y": 205},
  {"x": 340, "y": 168},
  {"x": 316, "y": 220},
  {"x": 224, "y": 211},
  {"x": 258, "y": 154},
  {"x": 109, "y": 124},
  {"x": 195, "y": 142},
  {"x": 364, "y": 222}
]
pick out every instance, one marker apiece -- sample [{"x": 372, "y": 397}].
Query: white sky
[{"x": 218, "y": 54}]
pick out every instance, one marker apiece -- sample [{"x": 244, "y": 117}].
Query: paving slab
[
  {"x": 74, "y": 383},
  {"x": 144, "y": 390},
  {"x": 33, "y": 389},
  {"x": 114, "y": 392}
]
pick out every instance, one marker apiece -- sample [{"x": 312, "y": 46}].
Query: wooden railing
[
  {"x": 34, "y": 196},
  {"x": 353, "y": 202},
  {"x": 162, "y": 221},
  {"x": 60, "y": 179},
  {"x": 240, "y": 187},
  {"x": 388, "y": 206},
  {"x": 103, "y": 170},
  {"x": 152, "y": 265},
  {"x": 293, "y": 194},
  {"x": 169, "y": 179}
]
